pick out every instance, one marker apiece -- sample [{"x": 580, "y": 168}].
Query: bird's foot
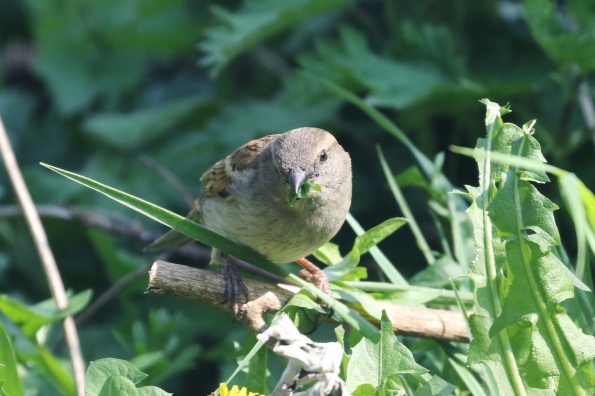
[
  {"x": 311, "y": 273},
  {"x": 234, "y": 285}
]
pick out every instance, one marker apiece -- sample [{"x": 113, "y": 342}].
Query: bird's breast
[{"x": 266, "y": 223}]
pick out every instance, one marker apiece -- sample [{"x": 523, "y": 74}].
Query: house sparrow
[{"x": 283, "y": 195}]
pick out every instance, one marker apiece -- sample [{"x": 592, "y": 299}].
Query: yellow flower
[{"x": 235, "y": 391}]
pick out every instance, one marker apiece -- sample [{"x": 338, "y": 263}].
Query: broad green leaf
[
  {"x": 102, "y": 375},
  {"x": 328, "y": 253},
  {"x": 10, "y": 383},
  {"x": 177, "y": 222},
  {"x": 32, "y": 318},
  {"x": 374, "y": 361},
  {"x": 152, "y": 391},
  {"x": 412, "y": 176},
  {"x": 117, "y": 385},
  {"x": 54, "y": 370}
]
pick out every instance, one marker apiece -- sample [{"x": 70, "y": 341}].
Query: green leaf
[
  {"x": 376, "y": 234},
  {"x": 567, "y": 35},
  {"x": 374, "y": 361},
  {"x": 367, "y": 302},
  {"x": 351, "y": 63},
  {"x": 468, "y": 378},
  {"x": 10, "y": 383},
  {"x": 253, "y": 23},
  {"x": 152, "y": 391},
  {"x": 348, "y": 315},
  {"x": 32, "y": 318},
  {"x": 117, "y": 385},
  {"x": 344, "y": 267},
  {"x": 329, "y": 253},
  {"x": 383, "y": 262},
  {"x": 303, "y": 192},
  {"x": 106, "y": 374},
  {"x": 256, "y": 379},
  {"x": 412, "y": 176},
  {"x": 520, "y": 330},
  {"x": 177, "y": 222},
  {"x": 436, "y": 386},
  {"x": 82, "y": 61},
  {"x": 363, "y": 243}
]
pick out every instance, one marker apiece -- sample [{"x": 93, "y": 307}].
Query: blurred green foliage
[{"x": 109, "y": 89}]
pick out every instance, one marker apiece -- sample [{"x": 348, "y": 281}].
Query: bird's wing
[{"x": 215, "y": 180}]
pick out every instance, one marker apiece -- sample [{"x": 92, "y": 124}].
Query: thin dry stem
[{"x": 46, "y": 256}]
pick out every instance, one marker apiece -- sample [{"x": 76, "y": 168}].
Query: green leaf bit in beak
[{"x": 302, "y": 192}]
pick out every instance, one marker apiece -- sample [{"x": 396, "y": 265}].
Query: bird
[{"x": 283, "y": 195}]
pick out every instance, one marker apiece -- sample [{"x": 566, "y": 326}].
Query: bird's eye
[{"x": 323, "y": 156}]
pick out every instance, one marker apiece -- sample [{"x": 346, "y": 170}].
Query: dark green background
[{"x": 96, "y": 86}]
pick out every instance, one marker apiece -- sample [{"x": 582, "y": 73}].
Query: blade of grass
[
  {"x": 177, "y": 222},
  {"x": 422, "y": 244}
]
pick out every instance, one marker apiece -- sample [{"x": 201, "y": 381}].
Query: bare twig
[
  {"x": 110, "y": 222},
  {"x": 110, "y": 293},
  {"x": 46, "y": 256},
  {"x": 208, "y": 288}
]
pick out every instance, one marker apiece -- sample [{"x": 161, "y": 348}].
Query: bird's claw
[{"x": 233, "y": 286}]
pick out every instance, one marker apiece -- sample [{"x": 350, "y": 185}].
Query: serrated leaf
[
  {"x": 351, "y": 63},
  {"x": 254, "y": 22},
  {"x": 520, "y": 331},
  {"x": 374, "y": 361}
]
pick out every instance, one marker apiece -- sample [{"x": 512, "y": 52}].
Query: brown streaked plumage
[{"x": 244, "y": 196}]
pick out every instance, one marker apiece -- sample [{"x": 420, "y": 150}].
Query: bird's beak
[{"x": 297, "y": 177}]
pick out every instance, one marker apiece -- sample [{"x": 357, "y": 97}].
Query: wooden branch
[{"x": 207, "y": 287}]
